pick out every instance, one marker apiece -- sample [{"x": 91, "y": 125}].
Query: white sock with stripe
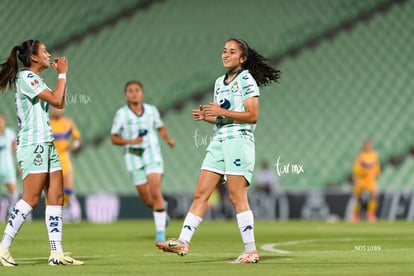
[
  {"x": 160, "y": 218},
  {"x": 245, "y": 221},
  {"x": 190, "y": 224}
]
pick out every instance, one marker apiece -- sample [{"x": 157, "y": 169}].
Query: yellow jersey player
[
  {"x": 67, "y": 139},
  {"x": 365, "y": 173}
]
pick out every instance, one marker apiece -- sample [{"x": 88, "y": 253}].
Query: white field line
[{"x": 272, "y": 247}]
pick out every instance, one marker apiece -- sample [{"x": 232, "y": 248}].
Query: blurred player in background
[
  {"x": 36, "y": 153},
  {"x": 67, "y": 140},
  {"x": 365, "y": 173},
  {"x": 135, "y": 127},
  {"x": 231, "y": 152},
  {"x": 7, "y": 161},
  {"x": 266, "y": 179}
]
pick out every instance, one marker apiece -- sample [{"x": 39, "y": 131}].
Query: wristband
[{"x": 62, "y": 76}]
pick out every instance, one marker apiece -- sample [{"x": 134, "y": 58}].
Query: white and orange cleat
[
  {"x": 173, "y": 246},
  {"x": 246, "y": 258}
]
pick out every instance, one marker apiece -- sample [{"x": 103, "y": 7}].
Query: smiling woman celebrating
[
  {"x": 36, "y": 153},
  {"x": 231, "y": 153}
]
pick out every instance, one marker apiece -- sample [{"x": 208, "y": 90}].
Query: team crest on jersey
[
  {"x": 235, "y": 87},
  {"x": 38, "y": 160}
]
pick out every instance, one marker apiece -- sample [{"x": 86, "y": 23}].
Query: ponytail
[
  {"x": 263, "y": 73},
  {"x": 9, "y": 69}
]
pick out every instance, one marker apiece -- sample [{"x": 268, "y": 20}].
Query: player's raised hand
[
  {"x": 198, "y": 114},
  {"x": 60, "y": 65}
]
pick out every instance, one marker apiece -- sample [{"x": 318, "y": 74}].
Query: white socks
[
  {"x": 53, "y": 219},
  {"x": 16, "y": 219},
  {"x": 160, "y": 220},
  {"x": 190, "y": 224},
  {"x": 245, "y": 221}
]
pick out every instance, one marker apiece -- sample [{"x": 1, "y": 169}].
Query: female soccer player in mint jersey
[
  {"x": 231, "y": 152},
  {"x": 36, "y": 154},
  {"x": 135, "y": 127},
  {"x": 7, "y": 163}
]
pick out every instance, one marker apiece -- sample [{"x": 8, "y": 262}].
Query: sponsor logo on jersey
[
  {"x": 224, "y": 103},
  {"x": 237, "y": 162}
]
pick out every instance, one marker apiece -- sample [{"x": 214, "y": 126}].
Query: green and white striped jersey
[
  {"x": 128, "y": 125},
  {"x": 32, "y": 112},
  {"x": 6, "y": 151},
  {"x": 232, "y": 96}
]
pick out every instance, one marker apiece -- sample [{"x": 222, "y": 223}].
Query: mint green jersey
[
  {"x": 7, "y": 166},
  {"x": 231, "y": 96},
  {"x": 128, "y": 125},
  {"x": 32, "y": 112}
]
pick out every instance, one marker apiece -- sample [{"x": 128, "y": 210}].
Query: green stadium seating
[{"x": 329, "y": 100}]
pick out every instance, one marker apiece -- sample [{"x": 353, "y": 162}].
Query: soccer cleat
[
  {"x": 246, "y": 258},
  {"x": 355, "y": 218},
  {"x": 60, "y": 258},
  {"x": 173, "y": 246},
  {"x": 160, "y": 236},
  {"x": 6, "y": 258},
  {"x": 371, "y": 217}
]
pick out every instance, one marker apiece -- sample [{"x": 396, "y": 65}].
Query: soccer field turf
[{"x": 286, "y": 248}]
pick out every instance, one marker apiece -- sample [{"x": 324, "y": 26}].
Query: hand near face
[{"x": 60, "y": 65}]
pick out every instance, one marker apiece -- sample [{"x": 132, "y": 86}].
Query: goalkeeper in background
[{"x": 365, "y": 173}]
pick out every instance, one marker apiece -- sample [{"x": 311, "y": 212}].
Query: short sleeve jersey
[
  {"x": 231, "y": 96},
  {"x": 6, "y": 150},
  {"x": 128, "y": 125},
  {"x": 32, "y": 112}
]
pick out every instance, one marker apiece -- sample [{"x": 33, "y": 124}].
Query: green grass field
[{"x": 286, "y": 248}]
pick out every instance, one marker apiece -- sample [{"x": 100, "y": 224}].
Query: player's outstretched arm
[{"x": 164, "y": 135}]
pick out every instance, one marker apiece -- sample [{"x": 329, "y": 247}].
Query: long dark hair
[
  {"x": 9, "y": 69},
  {"x": 263, "y": 73}
]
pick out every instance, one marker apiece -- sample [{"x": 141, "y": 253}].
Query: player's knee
[
  {"x": 200, "y": 196},
  {"x": 233, "y": 199},
  {"x": 32, "y": 200},
  {"x": 148, "y": 201}
]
